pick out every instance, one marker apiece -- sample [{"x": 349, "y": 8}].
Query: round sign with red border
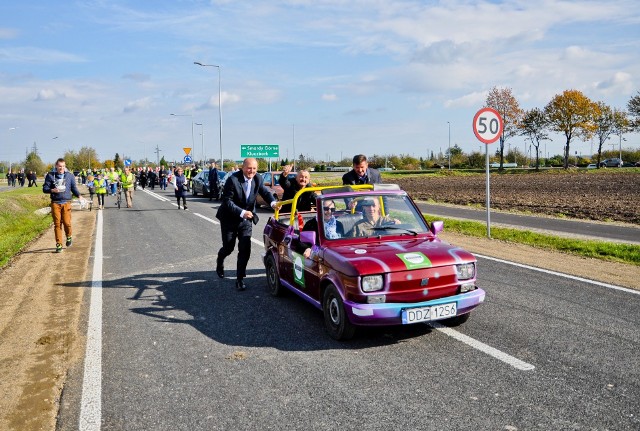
[{"x": 488, "y": 125}]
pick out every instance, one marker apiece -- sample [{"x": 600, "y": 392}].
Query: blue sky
[{"x": 331, "y": 78}]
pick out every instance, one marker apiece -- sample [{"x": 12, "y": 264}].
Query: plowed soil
[{"x": 608, "y": 195}]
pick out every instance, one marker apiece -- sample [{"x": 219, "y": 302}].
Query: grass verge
[
  {"x": 624, "y": 253},
  {"x": 19, "y": 223}
]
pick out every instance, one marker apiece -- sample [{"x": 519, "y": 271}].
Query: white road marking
[
  {"x": 260, "y": 243},
  {"x": 155, "y": 195},
  {"x": 484, "y": 348},
  {"x": 207, "y": 218},
  {"x": 560, "y": 274},
  {"x": 91, "y": 402}
]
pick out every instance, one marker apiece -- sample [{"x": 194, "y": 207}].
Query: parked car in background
[
  {"x": 592, "y": 166},
  {"x": 394, "y": 271},
  {"x": 271, "y": 182},
  {"x": 611, "y": 163},
  {"x": 200, "y": 184}
]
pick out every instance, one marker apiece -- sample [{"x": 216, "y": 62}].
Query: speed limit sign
[{"x": 487, "y": 125}]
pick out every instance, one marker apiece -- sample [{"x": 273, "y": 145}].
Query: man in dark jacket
[
  {"x": 361, "y": 173},
  {"x": 61, "y": 184},
  {"x": 290, "y": 188},
  {"x": 214, "y": 182},
  {"x": 237, "y": 216}
]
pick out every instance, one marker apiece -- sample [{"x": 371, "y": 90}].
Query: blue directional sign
[
  {"x": 188, "y": 159},
  {"x": 127, "y": 162}
]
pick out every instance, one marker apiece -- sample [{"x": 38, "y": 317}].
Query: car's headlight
[
  {"x": 371, "y": 283},
  {"x": 466, "y": 271}
]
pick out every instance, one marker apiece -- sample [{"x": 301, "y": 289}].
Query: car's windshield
[{"x": 371, "y": 215}]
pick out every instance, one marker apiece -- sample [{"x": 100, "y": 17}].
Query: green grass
[
  {"x": 624, "y": 253},
  {"x": 18, "y": 222}
]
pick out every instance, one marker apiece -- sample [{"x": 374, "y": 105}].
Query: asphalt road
[
  {"x": 601, "y": 231},
  {"x": 182, "y": 350}
]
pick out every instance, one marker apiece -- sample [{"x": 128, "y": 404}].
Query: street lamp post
[
  {"x": 187, "y": 115},
  {"x": 202, "y": 143},
  {"x": 449, "y": 144},
  {"x": 10, "y": 129},
  {"x": 219, "y": 108}
]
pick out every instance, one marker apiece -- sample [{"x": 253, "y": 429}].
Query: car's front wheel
[
  {"x": 335, "y": 318},
  {"x": 273, "y": 279}
]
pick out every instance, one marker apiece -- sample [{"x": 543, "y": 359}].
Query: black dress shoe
[
  {"x": 240, "y": 285},
  {"x": 220, "y": 271}
]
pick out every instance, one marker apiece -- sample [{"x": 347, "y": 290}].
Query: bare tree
[
  {"x": 503, "y": 101},
  {"x": 571, "y": 113},
  {"x": 534, "y": 126}
]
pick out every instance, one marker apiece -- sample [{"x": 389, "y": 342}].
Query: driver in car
[{"x": 372, "y": 219}]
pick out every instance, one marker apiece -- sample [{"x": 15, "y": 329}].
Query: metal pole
[
  {"x": 488, "y": 204},
  {"x": 449, "y": 144},
  {"x": 202, "y": 158}
]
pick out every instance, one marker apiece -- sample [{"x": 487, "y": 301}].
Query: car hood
[{"x": 392, "y": 256}]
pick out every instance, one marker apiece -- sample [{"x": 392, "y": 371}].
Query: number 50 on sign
[{"x": 487, "y": 125}]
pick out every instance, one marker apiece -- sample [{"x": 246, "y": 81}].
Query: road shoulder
[
  {"x": 39, "y": 321},
  {"x": 619, "y": 274}
]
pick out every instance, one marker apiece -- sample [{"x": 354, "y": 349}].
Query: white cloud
[
  {"x": 329, "y": 97},
  {"x": 8, "y": 33},
  {"x": 28, "y": 54},
  {"x": 49, "y": 94},
  {"x": 136, "y": 105}
]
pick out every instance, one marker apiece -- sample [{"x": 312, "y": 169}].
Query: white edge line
[
  {"x": 504, "y": 357},
  {"x": 91, "y": 402},
  {"x": 559, "y": 274}
]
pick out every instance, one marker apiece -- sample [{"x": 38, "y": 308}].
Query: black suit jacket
[
  {"x": 234, "y": 200},
  {"x": 351, "y": 178}
]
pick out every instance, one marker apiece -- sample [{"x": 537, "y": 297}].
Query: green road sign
[{"x": 260, "y": 151}]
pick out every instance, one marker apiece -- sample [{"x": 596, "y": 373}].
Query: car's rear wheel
[
  {"x": 456, "y": 321},
  {"x": 335, "y": 318},
  {"x": 273, "y": 279}
]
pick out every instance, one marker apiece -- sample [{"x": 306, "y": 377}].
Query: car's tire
[
  {"x": 193, "y": 191},
  {"x": 335, "y": 317},
  {"x": 273, "y": 278},
  {"x": 456, "y": 321}
]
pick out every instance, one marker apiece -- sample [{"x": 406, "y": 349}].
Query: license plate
[{"x": 426, "y": 314}]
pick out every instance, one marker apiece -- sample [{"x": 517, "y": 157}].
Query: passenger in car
[
  {"x": 372, "y": 219},
  {"x": 333, "y": 229}
]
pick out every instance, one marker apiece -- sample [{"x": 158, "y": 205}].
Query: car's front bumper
[{"x": 391, "y": 313}]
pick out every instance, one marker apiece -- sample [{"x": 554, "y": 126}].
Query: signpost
[
  {"x": 260, "y": 151},
  {"x": 488, "y": 127},
  {"x": 188, "y": 159}
]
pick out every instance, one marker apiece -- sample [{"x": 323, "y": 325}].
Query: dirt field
[
  {"x": 604, "y": 195},
  {"x": 40, "y": 319}
]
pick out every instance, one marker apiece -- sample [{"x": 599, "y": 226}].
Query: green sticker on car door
[
  {"x": 415, "y": 260},
  {"x": 298, "y": 268}
]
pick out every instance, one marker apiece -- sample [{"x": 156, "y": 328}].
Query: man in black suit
[
  {"x": 236, "y": 215},
  {"x": 214, "y": 182},
  {"x": 361, "y": 173}
]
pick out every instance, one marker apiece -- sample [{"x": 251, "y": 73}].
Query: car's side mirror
[
  {"x": 308, "y": 236},
  {"x": 437, "y": 226}
]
